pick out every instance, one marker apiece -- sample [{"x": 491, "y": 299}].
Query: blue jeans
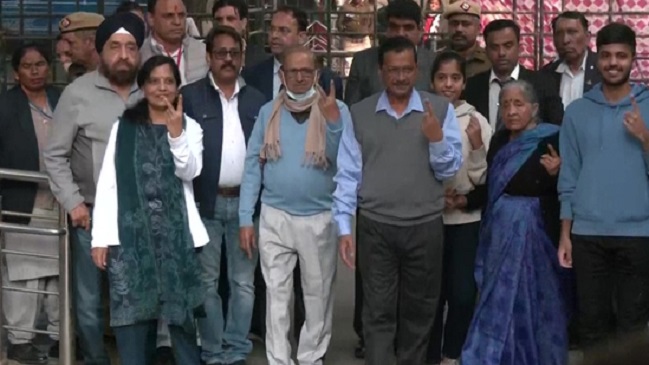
[
  {"x": 136, "y": 344},
  {"x": 226, "y": 343},
  {"x": 87, "y": 288}
]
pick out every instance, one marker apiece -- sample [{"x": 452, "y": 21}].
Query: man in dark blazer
[
  {"x": 288, "y": 28},
  {"x": 502, "y": 38},
  {"x": 575, "y": 70},
  {"x": 404, "y": 19},
  {"x": 226, "y": 109},
  {"x": 25, "y": 117}
]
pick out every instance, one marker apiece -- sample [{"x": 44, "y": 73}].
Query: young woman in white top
[{"x": 461, "y": 227}]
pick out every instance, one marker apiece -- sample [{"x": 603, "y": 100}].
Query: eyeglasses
[
  {"x": 222, "y": 54},
  {"x": 305, "y": 72}
]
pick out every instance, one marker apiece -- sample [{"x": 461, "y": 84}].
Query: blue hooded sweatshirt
[{"x": 604, "y": 178}]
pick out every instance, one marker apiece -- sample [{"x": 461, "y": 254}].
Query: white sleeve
[
  {"x": 187, "y": 150},
  {"x": 104, "y": 215}
]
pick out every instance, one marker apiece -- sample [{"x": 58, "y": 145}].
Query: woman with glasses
[{"x": 146, "y": 224}]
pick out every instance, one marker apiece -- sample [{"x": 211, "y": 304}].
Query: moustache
[
  {"x": 227, "y": 65},
  {"x": 613, "y": 69},
  {"x": 458, "y": 35}
]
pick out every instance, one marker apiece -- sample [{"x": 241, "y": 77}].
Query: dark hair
[
  {"x": 128, "y": 6},
  {"x": 445, "y": 57},
  {"x": 500, "y": 24},
  {"x": 396, "y": 44},
  {"x": 403, "y": 9},
  {"x": 240, "y": 5},
  {"x": 218, "y": 30},
  {"x": 574, "y": 15},
  {"x": 75, "y": 70},
  {"x": 616, "y": 33},
  {"x": 297, "y": 13},
  {"x": 22, "y": 50},
  {"x": 139, "y": 113}
]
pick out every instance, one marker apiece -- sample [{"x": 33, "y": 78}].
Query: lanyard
[
  {"x": 42, "y": 112},
  {"x": 179, "y": 57}
]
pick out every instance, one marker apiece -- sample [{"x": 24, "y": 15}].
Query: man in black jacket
[
  {"x": 502, "y": 38},
  {"x": 226, "y": 109},
  {"x": 575, "y": 70}
]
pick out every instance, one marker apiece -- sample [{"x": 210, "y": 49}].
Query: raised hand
[
  {"x": 474, "y": 132},
  {"x": 328, "y": 105},
  {"x": 551, "y": 161},
  {"x": 635, "y": 124},
  {"x": 175, "y": 118},
  {"x": 430, "y": 124}
]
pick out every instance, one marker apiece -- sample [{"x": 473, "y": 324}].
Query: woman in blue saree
[{"x": 521, "y": 316}]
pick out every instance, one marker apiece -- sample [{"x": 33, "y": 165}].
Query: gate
[
  {"x": 66, "y": 334},
  {"x": 38, "y": 20}
]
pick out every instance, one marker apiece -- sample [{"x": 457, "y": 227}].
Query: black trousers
[
  {"x": 458, "y": 292},
  {"x": 401, "y": 269},
  {"x": 611, "y": 271}
]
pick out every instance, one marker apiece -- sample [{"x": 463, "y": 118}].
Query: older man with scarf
[{"x": 292, "y": 152}]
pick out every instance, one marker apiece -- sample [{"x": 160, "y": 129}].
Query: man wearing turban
[{"x": 78, "y": 136}]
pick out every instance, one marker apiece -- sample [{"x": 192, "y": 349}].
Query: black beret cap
[{"x": 129, "y": 21}]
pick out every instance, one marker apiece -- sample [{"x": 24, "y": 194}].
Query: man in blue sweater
[
  {"x": 604, "y": 193},
  {"x": 292, "y": 152}
]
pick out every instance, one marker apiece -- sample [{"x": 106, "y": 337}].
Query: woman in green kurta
[{"x": 146, "y": 227}]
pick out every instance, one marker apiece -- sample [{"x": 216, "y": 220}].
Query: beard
[{"x": 123, "y": 77}]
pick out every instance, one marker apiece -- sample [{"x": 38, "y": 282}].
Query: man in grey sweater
[
  {"x": 78, "y": 136},
  {"x": 391, "y": 163}
]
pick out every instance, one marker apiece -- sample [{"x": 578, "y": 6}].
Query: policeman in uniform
[{"x": 464, "y": 26}]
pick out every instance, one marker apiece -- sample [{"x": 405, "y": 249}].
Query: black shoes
[
  {"x": 54, "y": 351},
  {"x": 164, "y": 356},
  {"x": 26, "y": 353},
  {"x": 359, "y": 351}
]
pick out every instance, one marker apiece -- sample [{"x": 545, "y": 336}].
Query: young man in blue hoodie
[{"x": 604, "y": 193}]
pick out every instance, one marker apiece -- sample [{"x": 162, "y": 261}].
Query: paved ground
[{"x": 343, "y": 338}]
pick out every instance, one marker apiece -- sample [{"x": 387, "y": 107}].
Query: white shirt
[
  {"x": 277, "y": 83},
  {"x": 178, "y": 58},
  {"x": 233, "y": 152},
  {"x": 187, "y": 151},
  {"x": 494, "y": 92},
  {"x": 572, "y": 85}
]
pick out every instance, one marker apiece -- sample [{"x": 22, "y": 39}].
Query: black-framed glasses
[{"x": 222, "y": 54}]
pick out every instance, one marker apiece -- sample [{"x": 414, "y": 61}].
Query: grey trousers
[
  {"x": 22, "y": 309},
  {"x": 283, "y": 240}
]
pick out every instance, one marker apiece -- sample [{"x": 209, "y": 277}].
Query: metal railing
[{"x": 66, "y": 335}]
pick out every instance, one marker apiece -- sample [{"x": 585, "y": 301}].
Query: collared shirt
[
  {"x": 494, "y": 92},
  {"x": 233, "y": 151},
  {"x": 177, "y": 56},
  {"x": 277, "y": 82},
  {"x": 572, "y": 84},
  {"x": 445, "y": 158}
]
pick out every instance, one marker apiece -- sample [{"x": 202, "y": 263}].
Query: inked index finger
[
  {"x": 553, "y": 152},
  {"x": 332, "y": 89},
  {"x": 429, "y": 107},
  {"x": 636, "y": 108}
]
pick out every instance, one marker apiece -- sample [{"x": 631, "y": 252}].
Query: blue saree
[{"x": 521, "y": 317}]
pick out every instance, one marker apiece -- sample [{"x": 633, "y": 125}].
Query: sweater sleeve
[
  {"x": 570, "y": 165},
  {"x": 252, "y": 172}
]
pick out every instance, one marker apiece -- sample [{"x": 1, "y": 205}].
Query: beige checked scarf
[{"x": 314, "y": 146}]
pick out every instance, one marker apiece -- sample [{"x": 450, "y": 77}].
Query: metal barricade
[{"x": 66, "y": 335}]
